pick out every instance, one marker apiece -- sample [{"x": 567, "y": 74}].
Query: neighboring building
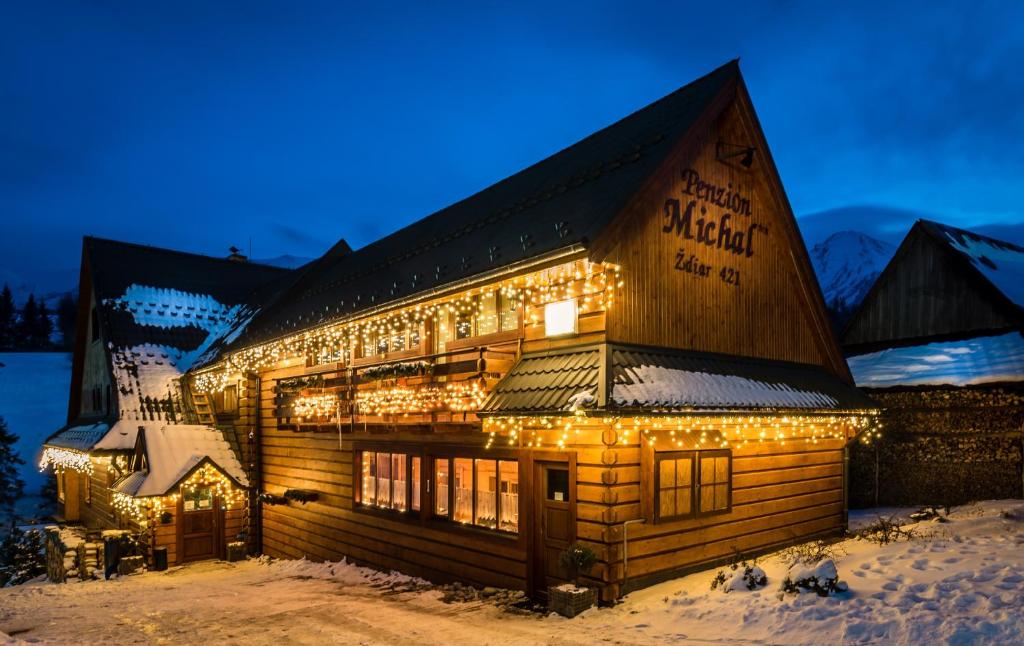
[
  {"x": 628, "y": 331},
  {"x": 937, "y": 341},
  {"x": 145, "y": 316}
]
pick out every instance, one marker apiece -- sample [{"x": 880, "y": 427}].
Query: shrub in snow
[
  {"x": 22, "y": 557},
  {"x": 742, "y": 576},
  {"x": 578, "y": 559},
  {"x": 810, "y": 552},
  {"x": 820, "y": 578},
  {"x": 884, "y": 531}
]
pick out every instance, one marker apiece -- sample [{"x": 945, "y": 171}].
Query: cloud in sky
[{"x": 197, "y": 125}]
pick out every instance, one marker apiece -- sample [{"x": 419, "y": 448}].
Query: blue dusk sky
[{"x": 200, "y": 125}]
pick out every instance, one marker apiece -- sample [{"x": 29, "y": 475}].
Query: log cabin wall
[
  {"x": 781, "y": 494},
  {"x": 96, "y": 509},
  {"x": 331, "y": 528},
  {"x": 748, "y": 291}
]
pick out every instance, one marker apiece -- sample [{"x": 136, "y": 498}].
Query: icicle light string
[
  {"x": 65, "y": 459},
  {"x": 680, "y": 431},
  {"x": 205, "y": 477},
  {"x": 593, "y": 285}
]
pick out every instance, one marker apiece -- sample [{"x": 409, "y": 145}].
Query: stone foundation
[{"x": 942, "y": 446}]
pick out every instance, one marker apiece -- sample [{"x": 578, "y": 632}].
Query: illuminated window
[
  {"x": 385, "y": 481},
  {"x": 485, "y": 492},
  {"x": 462, "y": 509},
  {"x": 415, "y": 470},
  {"x": 715, "y": 477},
  {"x": 441, "y": 487},
  {"x": 560, "y": 318},
  {"x": 689, "y": 483},
  {"x": 508, "y": 313}
]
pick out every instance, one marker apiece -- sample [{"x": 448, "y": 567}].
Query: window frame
[
  {"x": 357, "y": 485},
  {"x": 695, "y": 456},
  {"x": 425, "y": 515},
  {"x": 472, "y": 524},
  {"x": 475, "y": 339}
]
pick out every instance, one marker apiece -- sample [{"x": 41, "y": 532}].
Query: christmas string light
[
  {"x": 455, "y": 397},
  {"x": 593, "y": 285},
  {"x": 62, "y": 458},
  {"x": 683, "y": 430}
]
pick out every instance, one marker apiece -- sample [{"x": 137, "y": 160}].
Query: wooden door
[
  {"x": 198, "y": 525},
  {"x": 555, "y": 526}
]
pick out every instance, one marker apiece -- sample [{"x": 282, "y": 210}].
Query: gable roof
[
  {"x": 174, "y": 452},
  {"x": 999, "y": 263},
  {"x": 159, "y": 310},
  {"x": 648, "y": 380},
  {"x": 943, "y": 283},
  {"x": 562, "y": 202}
]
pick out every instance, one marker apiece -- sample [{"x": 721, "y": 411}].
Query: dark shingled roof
[
  {"x": 653, "y": 379},
  {"x": 544, "y": 381},
  {"x": 566, "y": 199},
  {"x": 115, "y": 266}
]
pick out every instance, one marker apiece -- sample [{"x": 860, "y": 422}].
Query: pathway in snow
[{"x": 959, "y": 582}]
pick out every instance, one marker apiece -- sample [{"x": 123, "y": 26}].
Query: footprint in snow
[
  {"x": 920, "y": 564},
  {"x": 892, "y": 586}
]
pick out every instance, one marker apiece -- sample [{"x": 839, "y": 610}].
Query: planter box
[
  {"x": 569, "y": 601},
  {"x": 236, "y": 551}
]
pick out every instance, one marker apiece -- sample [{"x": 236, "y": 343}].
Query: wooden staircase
[{"x": 203, "y": 408}]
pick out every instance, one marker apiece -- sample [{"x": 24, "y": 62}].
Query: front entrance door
[
  {"x": 555, "y": 527},
  {"x": 198, "y": 525}
]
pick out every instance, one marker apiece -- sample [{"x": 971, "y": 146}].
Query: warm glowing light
[
  {"x": 65, "y": 459},
  {"x": 560, "y": 318}
]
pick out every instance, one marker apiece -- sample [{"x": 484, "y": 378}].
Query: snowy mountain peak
[{"x": 847, "y": 264}]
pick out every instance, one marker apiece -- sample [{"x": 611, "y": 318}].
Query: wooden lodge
[
  {"x": 937, "y": 341},
  {"x": 622, "y": 346},
  {"x": 131, "y": 455}
]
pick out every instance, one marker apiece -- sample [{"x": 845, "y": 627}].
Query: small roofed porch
[{"x": 186, "y": 492}]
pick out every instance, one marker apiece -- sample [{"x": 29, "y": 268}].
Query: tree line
[{"x": 31, "y": 327}]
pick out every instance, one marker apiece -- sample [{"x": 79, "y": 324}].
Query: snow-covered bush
[
  {"x": 810, "y": 552},
  {"x": 742, "y": 576},
  {"x": 22, "y": 557},
  {"x": 821, "y": 578}
]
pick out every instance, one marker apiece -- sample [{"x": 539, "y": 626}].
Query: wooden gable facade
[{"x": 622, "y": 346}]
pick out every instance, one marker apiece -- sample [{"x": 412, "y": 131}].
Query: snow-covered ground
[
  {"x": 34, "y": 403},
  {"x": 958, "y": 582}
]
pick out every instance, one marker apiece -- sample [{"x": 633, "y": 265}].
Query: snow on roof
[
  {"x": 147, "y": 373},
  {"x": 674, "y": 387},
  {"x": 172, "y": 451},
  {"x": 162, "y": 307},
  {"x": 1000, "y": 262},
  {"x": 78, "y": 438},
  {"x": 121, "y": 436},
  {"x": 957, "y": 363}
]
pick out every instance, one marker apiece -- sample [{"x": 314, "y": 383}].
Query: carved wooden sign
[{"x": 711, "y": 216}]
